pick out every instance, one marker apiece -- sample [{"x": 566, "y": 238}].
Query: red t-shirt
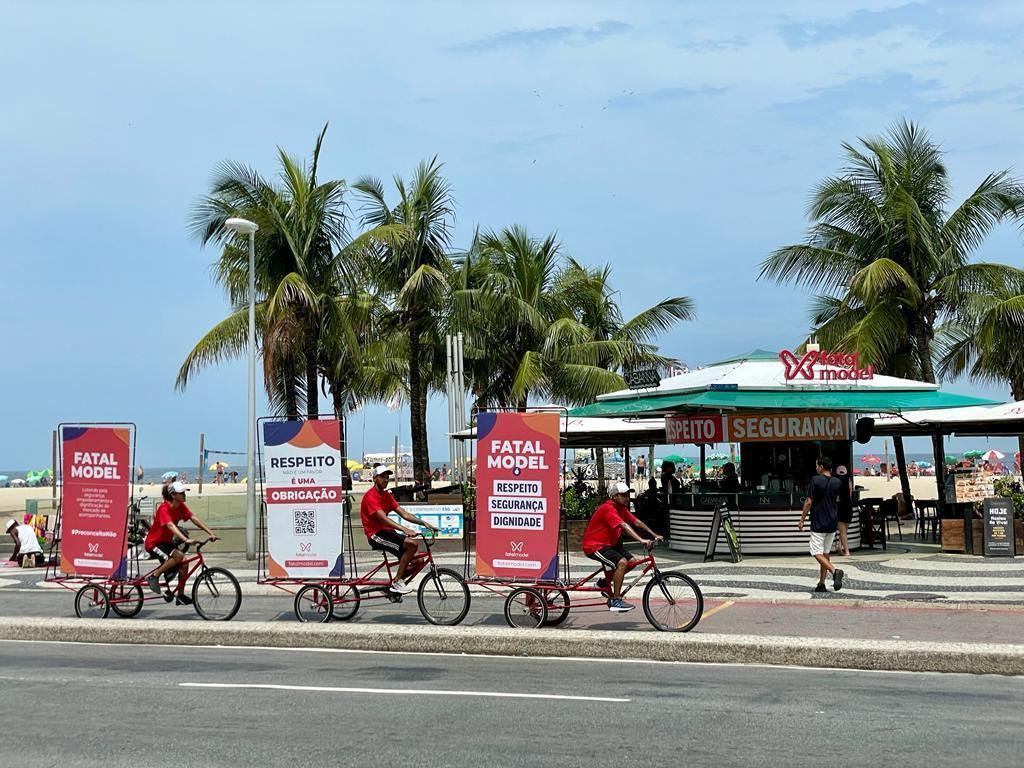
[
  {"x": 605, "y": 526},
  {"x": 375, "y": 500},
  {"x": 159, "y": 533}
]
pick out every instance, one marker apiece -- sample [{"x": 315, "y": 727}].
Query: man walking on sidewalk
[{"x": 821, "y": 500}]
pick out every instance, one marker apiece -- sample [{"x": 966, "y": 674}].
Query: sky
[{"x": 678, "y": 142}]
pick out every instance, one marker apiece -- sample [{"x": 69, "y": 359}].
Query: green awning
[{"x": 854, "y": 401}]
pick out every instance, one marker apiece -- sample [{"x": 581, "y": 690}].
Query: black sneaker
[
  {"x": 183, "y": 600},
  {"x": 154, "y": 584},
  {"x": 837, "y": 579},
  {"x": 820, "y": 588}
]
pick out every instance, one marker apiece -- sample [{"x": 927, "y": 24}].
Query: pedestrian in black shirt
[{"x": 821, "y": 503}]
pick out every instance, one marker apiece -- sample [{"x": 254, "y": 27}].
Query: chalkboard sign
[
  {"x": 721, "y": 522},
  {"x": 998, "y": 527}
]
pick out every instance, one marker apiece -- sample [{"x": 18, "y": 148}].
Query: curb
[{"x": 887, "y": 655}]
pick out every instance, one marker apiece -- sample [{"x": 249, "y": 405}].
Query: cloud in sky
[{"x": 543, "y": 37}]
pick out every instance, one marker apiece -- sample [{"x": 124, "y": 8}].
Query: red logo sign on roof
[{"x": 824, "y": 366}]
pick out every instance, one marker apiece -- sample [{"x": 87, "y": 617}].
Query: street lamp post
[{"x": 245, "y": 227}]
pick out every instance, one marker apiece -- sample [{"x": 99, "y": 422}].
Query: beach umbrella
[
  {"x": 858, "y": 471},
  {"x": 688, "y": 462},
  {"x": 169, "y": 476},
  {"x": 951, "y": 459},
  {"x": 992, "y": 456},
  {"x": 352, "y": 464},
  {"x": 46, "y": 473},
  {"x": 924, "y": 464},
  {"x": 870, "y": 459},
  {"x": 973, "y": 454},
  {"x": 218, "y": 465},
  {"x": 718, "y": 456},
  {"x": 675, "y": 458},
  {"x": 4, "y": 478}
]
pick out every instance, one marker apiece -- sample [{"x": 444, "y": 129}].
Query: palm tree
[
  {"x": 983, "y": 341},
  {"x": 413, "y": 270},
  {"x": 536, "y": 326},
  {"x": 606, "y": 338},
  {"x": 888, "y": 255},
  {"x": 299, "y": 263}
]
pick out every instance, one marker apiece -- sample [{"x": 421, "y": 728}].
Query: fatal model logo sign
[{"x": 818, "y": 365}]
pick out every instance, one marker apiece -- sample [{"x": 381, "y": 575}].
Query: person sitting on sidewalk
[
  {"x": 822, "y": 495},
  {"x": 162, "y": 533},
  {"x": 384, "y": 534},
  {"x": 603, "y": 540},
  {"x": 27, "y": 552}
]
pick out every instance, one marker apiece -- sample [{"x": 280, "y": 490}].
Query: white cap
[
  {"x": 841, "y": 470},
  {"x": 178, "y": 487},
  {"x": 382, "y": 469},
  {"x": 616, "y": 488},
  {"x": 10, "y": 524}
]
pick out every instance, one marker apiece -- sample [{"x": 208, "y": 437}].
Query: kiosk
[{"x": 784, "y": 410}]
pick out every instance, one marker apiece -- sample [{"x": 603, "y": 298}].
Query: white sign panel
[
  {"x": 302, "y": 472},
  {"x": 448, "y": 518}
]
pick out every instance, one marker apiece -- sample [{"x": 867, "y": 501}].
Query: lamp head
[{"x": 241, "y": 226}]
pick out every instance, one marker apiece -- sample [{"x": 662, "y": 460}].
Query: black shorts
[
  {"x": 641, "y": 472},
  {"x": 610, "y": 556},
  {"x": 388, "y": 540},
  {"x": 162, "y": 551}
]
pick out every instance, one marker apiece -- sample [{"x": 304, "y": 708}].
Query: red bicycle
[
  {"x": 442, "y": 595},
  {"x": 672, "y": 601},
  {"x": 216, "y": 594}
]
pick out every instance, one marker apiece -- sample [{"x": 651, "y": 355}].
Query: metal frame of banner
[
  {"x": 291, "y": 584},
  {"x": 53, "y": 573},
  {"x": 469, "y": 533},
  {"x": 330, "y": 595}
]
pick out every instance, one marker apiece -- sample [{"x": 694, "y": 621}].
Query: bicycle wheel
[
  {"x": 673, "y": 602},
  {"x": 216, "y": 594},
  {"x": 525, "y": 608},
  {"x": 313, "y": 604},
  {"x": 558, "y": 606},
  {"x": 443, "y": 597},
  {"x": 91, "y": 602},
  {"x": 126, "y": 599},
  {"x": 345, "y": 599}
]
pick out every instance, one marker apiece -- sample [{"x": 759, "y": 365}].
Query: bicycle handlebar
[{"x": 202, "y": 544}]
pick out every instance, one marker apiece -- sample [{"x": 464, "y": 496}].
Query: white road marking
[{"x": 402, "y": 692}]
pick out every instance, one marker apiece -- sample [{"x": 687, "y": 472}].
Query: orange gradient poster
[{"x": 517, "y": 495}]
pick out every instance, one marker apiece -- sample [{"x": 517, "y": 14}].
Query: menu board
[
  {"x": 971, "y": 485},
  {"x": 998, "y": 527}
]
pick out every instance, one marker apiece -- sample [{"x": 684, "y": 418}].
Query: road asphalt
[{"x": 79, "y": 706}]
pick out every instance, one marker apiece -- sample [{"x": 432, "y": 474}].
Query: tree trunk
[
  {"x": 923, "y": 334},
  {"x": 291, "y": 397},
  {"x": 601, "y": 484},
  {"x": 420, "y": 459},
  {"x": 339, "y": 414},
  {"x": 312, "y": 382}
]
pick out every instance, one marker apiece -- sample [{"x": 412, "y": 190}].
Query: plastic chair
[{"x": 891, "y": 513}]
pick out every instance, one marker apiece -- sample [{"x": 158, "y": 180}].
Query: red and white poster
[
  {"x": 517, "y": 495},
  {"x": 94, "y": 500},
  {"x": 302, "y": 471}
]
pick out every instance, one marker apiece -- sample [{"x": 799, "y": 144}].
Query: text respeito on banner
[
  {"x": 517, "y": 495},
  {"x": 95, "y": 469},
  {"x": 302, "y": 472}
]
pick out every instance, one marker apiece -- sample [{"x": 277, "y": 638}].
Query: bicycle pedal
[
  {"x": 394, "y": 597},
  {"x": 168, "y": 596}
]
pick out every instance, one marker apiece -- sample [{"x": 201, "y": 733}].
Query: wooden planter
[{"x": 953, "y": 536}]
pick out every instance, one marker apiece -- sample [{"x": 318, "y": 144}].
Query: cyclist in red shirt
[
  {"x": 603, "y": 540},
  {"x": 160, "y": 539},
  {"x": 384, "y": 534}
]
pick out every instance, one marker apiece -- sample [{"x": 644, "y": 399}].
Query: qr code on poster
[{"x": 304, "y": 521}]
